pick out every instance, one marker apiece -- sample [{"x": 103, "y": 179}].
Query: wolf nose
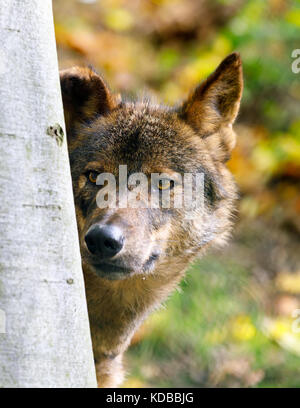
[{"x": 105, "y": 241}]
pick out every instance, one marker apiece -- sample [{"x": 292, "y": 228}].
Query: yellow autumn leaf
[
  {"x": 289, "y": 282},
  {"x": 280, "y": 330},
  {"x": 293, "y": 17},
  {"x": 119, "y": 19},
  {"x": 222, "y": 46},
  {"x": 277, "y": 328},
  {"x": 242, "y": 329}
]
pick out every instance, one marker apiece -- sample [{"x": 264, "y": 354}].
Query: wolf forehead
[
  {"x": 142, "y": 136},
  {"x": 100, "y": 126}
]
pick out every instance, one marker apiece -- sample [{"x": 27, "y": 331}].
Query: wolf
[{"x": 133, "y": 258}]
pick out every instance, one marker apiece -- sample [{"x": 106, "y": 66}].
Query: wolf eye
[
  {"x": 92, "y": 176},
  {"x": 165, "y": 184}
]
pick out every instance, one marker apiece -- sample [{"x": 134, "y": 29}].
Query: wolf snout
[{"x": 105, "y": 241}]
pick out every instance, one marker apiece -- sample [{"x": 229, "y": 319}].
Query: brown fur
[{"x": 104, "y": 132}]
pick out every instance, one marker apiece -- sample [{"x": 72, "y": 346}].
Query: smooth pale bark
[{"x": 47, "y": 339}]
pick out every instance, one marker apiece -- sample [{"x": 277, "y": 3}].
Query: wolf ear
[
  {"x": 215, "y": 102},
  {"x": 85, "y": 95}
]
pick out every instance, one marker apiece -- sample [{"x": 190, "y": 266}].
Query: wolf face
[{"x": 105, "y": 132}]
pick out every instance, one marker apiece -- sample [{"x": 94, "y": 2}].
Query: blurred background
[{"x": 235, "y": 320}]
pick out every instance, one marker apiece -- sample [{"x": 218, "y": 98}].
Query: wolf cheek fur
[{"x": 133, "y": 258}]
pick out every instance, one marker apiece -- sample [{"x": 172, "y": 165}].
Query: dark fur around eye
[
  {"x": 91, "y": 176},
  {"x": 213, "y": 192}
]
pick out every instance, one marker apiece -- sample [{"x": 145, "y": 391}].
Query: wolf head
[{"x": 104, "y": 133}]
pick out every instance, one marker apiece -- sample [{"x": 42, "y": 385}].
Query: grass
[{"x": 211, "y": 335}]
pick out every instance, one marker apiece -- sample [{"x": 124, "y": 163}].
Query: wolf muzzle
[{"x": 104, "y": 241}]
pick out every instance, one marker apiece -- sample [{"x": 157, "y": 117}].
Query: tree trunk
[{"x": 44, "y": 330}]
